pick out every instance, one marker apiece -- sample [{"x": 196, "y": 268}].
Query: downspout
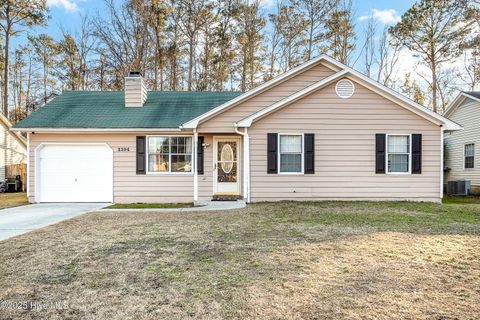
[
  {"x": 442, "y": 172},
  {"x": 246, "y": 161},
  {"x": 195, "y": 164}
]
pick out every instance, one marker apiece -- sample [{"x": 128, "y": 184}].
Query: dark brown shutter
[
  {"x": 272, "y": 141},
  {"x": 416, "y": 153},
  {"x": 309, "y": 156},
  {"x": 200, "y": 155},
  {"x": 141, "y": 155},
  {"x": 380, "y": 153}
]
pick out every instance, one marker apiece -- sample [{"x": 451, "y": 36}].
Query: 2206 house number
[{"x": 123, "y": 149}]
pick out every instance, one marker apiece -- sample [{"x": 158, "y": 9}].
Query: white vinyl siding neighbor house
[
  {"x": 462, "y": 148},
  {"x": 13, "y": 147},
  {"x": 319, "y": 131}
]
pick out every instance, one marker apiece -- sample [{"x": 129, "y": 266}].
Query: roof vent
[{"x": 344, "y": 88}]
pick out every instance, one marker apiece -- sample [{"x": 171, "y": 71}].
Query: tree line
[{"x": 214, "y": 45}]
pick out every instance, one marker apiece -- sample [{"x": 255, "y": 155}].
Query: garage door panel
[{"x": 76, "y": 173}]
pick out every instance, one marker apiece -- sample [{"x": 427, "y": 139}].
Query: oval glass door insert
[{"x": 226, "y": 158}]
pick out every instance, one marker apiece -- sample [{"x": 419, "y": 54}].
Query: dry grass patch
[
  {"x": 8, "y": 200},
  {"x": 379, "y": 276},
  {"x": 267, "y": 261}
]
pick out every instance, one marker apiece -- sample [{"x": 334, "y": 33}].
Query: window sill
[
  {"x": 170, "y": 173},
  {"x": 399, "y": 173},
  {"x": 291, "y": 173}
]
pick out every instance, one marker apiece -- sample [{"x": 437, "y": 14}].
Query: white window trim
[
  {"x": 169, "y": 157},
  {"x": 474, "y": 157},
  {"x": 279, "y": 153},
  {"x": 409, "y": 153}
]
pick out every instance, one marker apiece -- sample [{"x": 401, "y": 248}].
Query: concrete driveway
[{"x": 18, "y": 220}]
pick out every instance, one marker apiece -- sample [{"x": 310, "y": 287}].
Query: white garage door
[{"x": 75, "y": 173}]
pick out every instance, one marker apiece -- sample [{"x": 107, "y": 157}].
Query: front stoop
[{"x": 226, "y": 197}]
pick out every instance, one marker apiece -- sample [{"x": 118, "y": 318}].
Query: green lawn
[
  {"x": 311, "y": 260},
  {"x": 150, "y": 205},
  {"x": 8, "y": 200}
]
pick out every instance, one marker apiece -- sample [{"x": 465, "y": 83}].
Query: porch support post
[
  {"x": 246, "y": 165},
  {"x": 195, "y": 171}
]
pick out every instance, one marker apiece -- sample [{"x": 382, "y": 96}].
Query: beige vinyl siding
[
  {"x": 205, "y": 181},
  {"x": 468, "y": 116},
  {"x": 129, "y": 187},
  {"x": 345, "y": 150},
  {"x": 224, "y": 122}
]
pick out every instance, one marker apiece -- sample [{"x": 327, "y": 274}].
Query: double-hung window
[
  {"x": 291, "y": 153},
  {"x": 169, "y": 154},
  {"x": 398, "y": 153},
  {"x": 469, "y": 153}
]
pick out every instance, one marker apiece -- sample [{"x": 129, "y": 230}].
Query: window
[
  {"x": 291, "y": 157},
  {"x": 169, "y": 154},
  {"x": 469, "y": 156},
  {"x": 398, "y": 153}
]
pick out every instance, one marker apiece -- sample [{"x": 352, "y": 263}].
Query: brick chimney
[{"x": 135, "y": 90}]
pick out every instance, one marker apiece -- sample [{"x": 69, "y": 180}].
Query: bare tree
[
  {"x": 388, "y": 56},
  {"x": 125, "y": 38},
  {"x": 434, "y": 29},
  {"x": 370, "y": 46},
  {"x": 275, "y": 41},
  {"x": 292, "y": 31},
  {"x": 46, "y": 51},
  {"x": 340, "y": 35},
  {"x": 156, "y": 17},
  {"x": 224, "y": 53},
  {"x": 250, "y": 42},
  {"x": 193, "y": 19},
  {"x": 15, "y": 13},
  {"x": 316, "y": 12}
]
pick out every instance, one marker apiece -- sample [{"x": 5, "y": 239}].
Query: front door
[{"x": 226, "y": 157}]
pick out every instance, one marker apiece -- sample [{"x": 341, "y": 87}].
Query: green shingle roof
[{"x": 106, "y": 109}]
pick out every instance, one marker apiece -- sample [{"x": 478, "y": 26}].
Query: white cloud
[
  {"x": 267, "y": 3},
  {"x": 68, "y": 5},
  {"x": 386, "y": 16}
]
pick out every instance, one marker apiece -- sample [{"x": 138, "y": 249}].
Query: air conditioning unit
[{"x": 458, "y": 188}]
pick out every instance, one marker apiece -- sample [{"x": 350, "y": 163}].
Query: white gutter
[
  {"x": 246, "y": 162},
  {"x": 442, "y": 172},
  {"x": 195, "y": 164},
  {"x": 63, "y": 130}
]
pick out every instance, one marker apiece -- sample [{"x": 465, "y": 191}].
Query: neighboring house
[
  {"x": 319, "y": 131},
  {"x": 462, "y": 148},
  {"x": 13, "y": 147}
]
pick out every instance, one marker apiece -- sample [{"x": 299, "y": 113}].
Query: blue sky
[{"x": 67, "y": 14}]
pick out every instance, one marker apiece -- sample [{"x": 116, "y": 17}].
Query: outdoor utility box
[{"x": 458, "y": 187}]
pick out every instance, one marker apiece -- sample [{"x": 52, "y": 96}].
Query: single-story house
[
  {"x": 462, "y": 148},
  {"x": 319, "y": 131},
  {"x": 13, "y": 150}
]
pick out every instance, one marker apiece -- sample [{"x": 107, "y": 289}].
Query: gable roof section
[
  {"x": 367, "y": 82},
  {"x": 91, "y": 110},
  {"x": 21, "y": 140},
  {"x": 257, "y": 90},
  {"x": 461, "y": 97},
  {"x": 247, "y": 122}
]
